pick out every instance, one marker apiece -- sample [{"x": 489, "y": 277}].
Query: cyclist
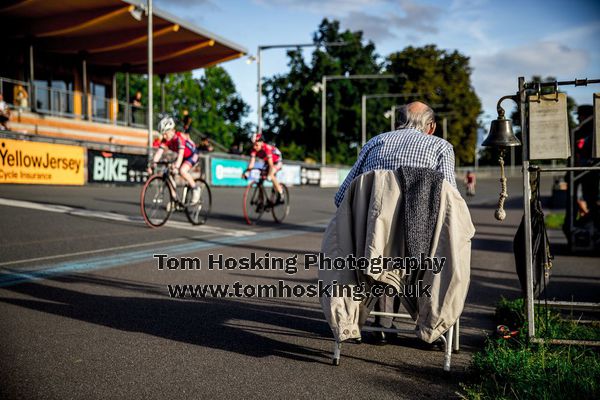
[
  {"x": 272, "y": 160},
  {"x": 187, "y": 156}
]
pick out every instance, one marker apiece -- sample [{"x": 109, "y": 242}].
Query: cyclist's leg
[
  {"x": 186, "y": 165},
  {"x": 271, "y": 174}
]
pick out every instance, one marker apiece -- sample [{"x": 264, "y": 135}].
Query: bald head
[{"x": 417, "y": 115}]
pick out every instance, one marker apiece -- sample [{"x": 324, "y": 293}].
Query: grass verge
[
  {"x": 554, "y": 220},
  {"x": 513, "y": 369}
]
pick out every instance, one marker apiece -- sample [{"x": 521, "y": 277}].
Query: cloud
[
  {"x": 404, "y": 16},
  {"x": 328, "y": 7},
  {"x": 496, "y": 75},
  {"x": 375, "y": 27},
  {"x": 419, "y": 17}
]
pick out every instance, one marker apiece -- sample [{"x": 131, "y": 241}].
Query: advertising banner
[
  {"x": 329, "y": 177},
  {"x": 119, "y": 168},
  {"x": 22, "y": 161},
  {"x": 226, "y": 172},
  {"x": 310, "y": 176},
  {"x": 289, "y": 174}
]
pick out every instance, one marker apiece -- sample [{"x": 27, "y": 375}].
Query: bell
[{"x": 501, "y": 134}]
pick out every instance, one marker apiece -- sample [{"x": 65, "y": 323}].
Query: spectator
[
  {"x": 237, "y": 149},
  {"x": 136, "y": 107},
  {"x": 205, "y": 145},
  {"x": 587, "y": 183},
  {"x": 411, "y": 145},
  {"x": 187, "y": 122},
  {"x": 21, "y": 97},
  {"x": 4, "y": 114}
]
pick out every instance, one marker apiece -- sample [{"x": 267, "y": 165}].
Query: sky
[{"x": 504, "y": 39}]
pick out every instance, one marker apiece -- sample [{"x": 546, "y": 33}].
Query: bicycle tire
[
  {"x": 198, "y": 213},
  {"x": 280, "y": 211},
  {"x": 254, "y": 202},
  {"x": 152, "y": 200}
]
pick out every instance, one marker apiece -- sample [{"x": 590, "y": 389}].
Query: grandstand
[{"x": 58, "y": 71}]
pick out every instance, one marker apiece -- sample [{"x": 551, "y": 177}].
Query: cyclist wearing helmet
[
  {"x": 187, "y": 156},
  {"x": 272, "y": 159}
]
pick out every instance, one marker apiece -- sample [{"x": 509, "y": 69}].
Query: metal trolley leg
[
  {"x": 456, "y": 348},
  {"x": 448, "y": 349},
  {"x": 337, "y": 348}
]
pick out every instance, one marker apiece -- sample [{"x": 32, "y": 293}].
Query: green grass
[
  {"x": 514, "y": 369},
  {"x": 554, "y": 220}
]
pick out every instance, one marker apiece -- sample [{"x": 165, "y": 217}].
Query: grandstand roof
[{"x": 109, "y": 35}]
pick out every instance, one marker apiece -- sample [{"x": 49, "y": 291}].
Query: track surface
[{"x": 85, "y": 312}]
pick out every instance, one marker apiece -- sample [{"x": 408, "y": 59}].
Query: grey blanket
[{"x": 421, "y": 188}]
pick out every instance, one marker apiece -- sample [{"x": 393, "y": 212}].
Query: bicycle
[
  {"x": 160, "y": 197},
  {"x": 256, "y": 201}
]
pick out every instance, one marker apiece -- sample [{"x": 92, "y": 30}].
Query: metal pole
[
  {"x": 363, "y": 120},
  {"x": 127, "y": 103},
  {"x": 323, "y": 119},
  {"x": 162, "y": 93},
  {"x": 150, "y": 74},
  {"x": 85, "y": 104},
  {"x": 259, "y": 89},
  {"x": 32, "y": 80},
  {"x": 114, "y": 103},
  {"x": 527, "y": 210},
  {"x": 393, "y": 119}
]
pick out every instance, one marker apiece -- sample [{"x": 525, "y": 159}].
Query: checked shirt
[{"x": 405, "y": 147}]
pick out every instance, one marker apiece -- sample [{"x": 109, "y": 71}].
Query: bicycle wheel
[
  {"x": 156, "y": 202},
  {"x": 198, "y": 213},
  {"x": 254, "y": 202},
  {"x": 280, "y": 211}
]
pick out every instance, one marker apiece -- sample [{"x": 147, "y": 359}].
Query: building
[{"x": 61, "y": 57}]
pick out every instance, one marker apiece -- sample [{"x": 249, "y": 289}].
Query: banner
[
  {"x": 329, "y": 177},
  {"x": 289, "y": 174},
  {"x": 225, "y": 172},
  {"x": 23, "y": 161},
  {"x": 108, "y": 167},
  {"x": 310, "y": 176}
]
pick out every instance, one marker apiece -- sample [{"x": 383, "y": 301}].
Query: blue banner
[{"x": 226, "y": 172}]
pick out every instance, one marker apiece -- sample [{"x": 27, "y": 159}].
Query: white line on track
[
  {"x": 81, "y": 253},
  {"x": 120, "y": 217}
]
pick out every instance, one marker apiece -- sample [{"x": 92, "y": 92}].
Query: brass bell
[{"x": 501, "y": 134}]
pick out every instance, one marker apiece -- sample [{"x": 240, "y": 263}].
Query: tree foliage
[
  {"x": 217, "y": 110},
  {"x": 293, "y": 109}
]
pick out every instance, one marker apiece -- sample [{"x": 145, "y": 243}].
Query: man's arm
[
  {"x": 356, "y": 170},
  {"x": 446, "y": 165}
]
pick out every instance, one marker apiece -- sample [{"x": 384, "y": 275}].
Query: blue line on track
[{"x": 96, "y": 263}]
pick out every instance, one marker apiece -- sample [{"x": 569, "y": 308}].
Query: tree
[
  {"x": 443, "y": 80},
  {"x": 292, "y": 110}
]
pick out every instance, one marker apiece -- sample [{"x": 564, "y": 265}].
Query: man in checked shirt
[{"x": 411, "y": 145}]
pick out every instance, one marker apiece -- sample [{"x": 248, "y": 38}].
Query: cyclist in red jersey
[
  {"x": 272, "y": 159},
  {"x": 187, "y": 156}
]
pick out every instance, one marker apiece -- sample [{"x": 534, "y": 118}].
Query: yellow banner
[{"x": 22, "y": 161}]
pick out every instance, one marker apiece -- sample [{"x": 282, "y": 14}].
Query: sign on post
[{"x": 548, "y": 127}]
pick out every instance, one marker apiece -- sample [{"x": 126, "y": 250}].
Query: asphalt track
[{"x": 85, "y": 312}]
